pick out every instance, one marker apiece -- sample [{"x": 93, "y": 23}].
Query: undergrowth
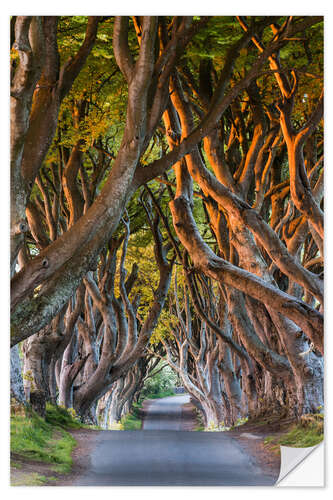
[
  {"x": 132, "y": 421},
  {"x": 47, "y": 440},
  {"x": 159, "y": 395},
  {"x": 62, "y": 417},
  {"x": 309, "y": 431}
]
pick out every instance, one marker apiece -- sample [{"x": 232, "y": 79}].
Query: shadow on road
[{"x": 164, "y": 455}]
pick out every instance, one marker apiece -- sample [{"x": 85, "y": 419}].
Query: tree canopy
[{"x": 167, "y": 202}]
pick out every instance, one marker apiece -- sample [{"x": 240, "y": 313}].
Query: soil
[
  {"x": 143, "y": 411},
  {"x": 27, "y": 472},
  {"x": 189, "y": 418},
  {"x": 251, "y": 436}
]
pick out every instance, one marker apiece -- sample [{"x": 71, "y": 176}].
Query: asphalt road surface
[
  {"x": 165, "y": 414},
  {"x": 163, "y": 455}
]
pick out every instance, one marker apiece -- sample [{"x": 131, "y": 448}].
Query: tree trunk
[{"x": 16, "y": 380}]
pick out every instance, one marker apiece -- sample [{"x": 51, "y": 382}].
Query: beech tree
[
  {"x": 99, "y": 338},
  {"x": 208, "y": 131},
  {"x": 118, "y": 401},
  {"x": 72, "y": 252},
  {"x": 253, "y": 244}
]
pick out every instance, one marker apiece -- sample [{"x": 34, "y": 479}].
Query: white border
[{"x": 171, "y": 7}]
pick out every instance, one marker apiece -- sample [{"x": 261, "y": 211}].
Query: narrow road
[
  {"x": 165, "y": 414},
  {"x": 163, "y": 455}
]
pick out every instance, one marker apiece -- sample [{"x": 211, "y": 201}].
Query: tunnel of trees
[{"x": 167, "y": 204}]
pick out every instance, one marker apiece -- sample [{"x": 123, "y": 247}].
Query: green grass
[
  {"x": 15, "y": 465},
  {"x": 199, "y": 428},
  {"x": 132, "y": 421},
  {"x": 66, "y": 418},
  {"x": 44, "y": 440},
  {"x": 301, "y": 438},
  {"x": 59, "y": 416},
  {"x": 34, "y": 479},
  {"x": 308, "y": 432},
  {"x": 159, "y": 395}
]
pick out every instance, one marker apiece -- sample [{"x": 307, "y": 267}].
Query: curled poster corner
[{"x": 302, "y": 466}]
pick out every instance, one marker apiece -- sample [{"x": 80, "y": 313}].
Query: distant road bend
[{"x": 163, "y": 455}]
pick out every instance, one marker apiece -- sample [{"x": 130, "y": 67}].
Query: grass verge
[
  {"x": 132, "y": 421},
  {"x": 159, "y": 395},
  {"x": 33, "y": 479},
  {"x": 35, "y": 439},
  {"x": 309, "y": 431}
]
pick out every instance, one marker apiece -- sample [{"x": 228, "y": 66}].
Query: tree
[
  {"x": 226, "y": 103},
  {"x": 72, "y": 252}
]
